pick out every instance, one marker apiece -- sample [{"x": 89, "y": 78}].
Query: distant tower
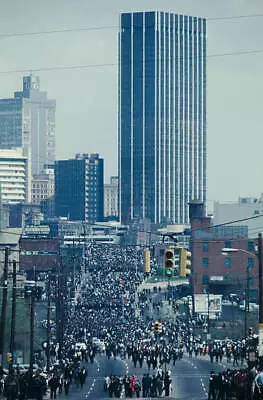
[
  {"x": 161, "y": 115},
  {"x": 28, "y": 121}
]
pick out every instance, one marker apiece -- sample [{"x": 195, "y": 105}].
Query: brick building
[
  {"x": 39, "y": 255},
  {"x": 232, "y": 272}
]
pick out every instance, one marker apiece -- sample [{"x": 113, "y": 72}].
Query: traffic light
[
  {"x": 9, "y": 357},
  {"x": 184, "y": 263},
  {"x": 146, "y": 261},
  {"x": 169, "y": 262},
  {"x": 156, "y": 327},
  {"x": 176, "y": 259}
]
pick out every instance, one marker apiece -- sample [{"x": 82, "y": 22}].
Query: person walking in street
[
  {"x": 11, "y": 386},
  {"x": 53, "y": 384},
  {"x": 66, "y": 386},
  {"x": 167, "y": 383},
  {"x": 212, "y": 386}
]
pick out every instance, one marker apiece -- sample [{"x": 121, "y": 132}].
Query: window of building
[
  {"x": 205, "y": 279},
  {"x": 205, "y": 262},
  {"x": 250, "y": 262},
  {"x": 251, "y": 245},
  {"x": 228, "y": 262},
  {"x": 228, "y": 245},
  {"x": 205, "y": 247}
]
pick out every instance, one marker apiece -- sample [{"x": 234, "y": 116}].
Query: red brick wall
[{"x": 236, "y": 273}]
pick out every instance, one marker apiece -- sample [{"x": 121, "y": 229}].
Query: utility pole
[
  {"x": 208, "y": 314},
  {"x": 48, "y": 320},
  {"x": 32, "y": 323},
  {"x": 246, "y": 301},
  {"x": 13, "y": 317},
  {"x": 246, "y": 306},
  {"x": 59, "y": 311},
  {"x": 84, "y": 250},
  {"x": 260, "y": 325},
  {"x": 4, "y": 307}
]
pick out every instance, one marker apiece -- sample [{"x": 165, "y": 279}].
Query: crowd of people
[
  {"x": 239, "y": 384},
  {"x": 108, "y": 310},
  {"x": 35, "y": 384},
  {"x": 150, "y": 385}
]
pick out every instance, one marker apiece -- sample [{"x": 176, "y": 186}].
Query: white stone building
[
  {"x": 13, "y": 173},
  {"x": 244, "y": 208},
  {"x": 43, "y": 186},
  {"x": 111, "y": 198}
]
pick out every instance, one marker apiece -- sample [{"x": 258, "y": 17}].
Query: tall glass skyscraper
[{"x": 161, "y": 115}]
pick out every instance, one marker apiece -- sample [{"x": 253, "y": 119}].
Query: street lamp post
[
  {"x": 232, "y": 302},
  {"x": 260, "y": 274},
  {"x": 208, "y": 314},
  {"x": 227, "y": 251},
  {"x": 258, "y": 255}
]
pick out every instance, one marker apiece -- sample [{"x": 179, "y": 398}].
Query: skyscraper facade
[
  {"x": 28, "y": 121},
  {"x": 79, "y": 189},
  {"x": 161, "y": 115}
]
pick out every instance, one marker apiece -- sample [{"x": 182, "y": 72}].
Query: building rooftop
[{"x": 12, "y": 153}]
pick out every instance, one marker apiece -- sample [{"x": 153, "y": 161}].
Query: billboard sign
[{"x": 214, "y": 301}]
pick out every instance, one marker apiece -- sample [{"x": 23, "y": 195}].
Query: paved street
[{"x": 190, "y": 377}]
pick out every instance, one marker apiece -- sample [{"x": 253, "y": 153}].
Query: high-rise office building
[
  {"x": 28, "y": 121},
  {"x": 161, "y": 115},
  {"x": 79, "y": 189}
]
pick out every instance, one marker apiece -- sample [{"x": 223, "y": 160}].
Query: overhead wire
[
  {"x": 106, "y": 65},
  {"x": 116, "y": 27}
]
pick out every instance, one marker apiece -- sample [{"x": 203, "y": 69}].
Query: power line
[
  {"x": 54, "y": 31},
  {"x": 236, "y": 53},
  {"x": 47, "y": 69},
  {"x": 113, "y": 27},
  {"x": 105, "y": 65},
  {"x": 233, "y": 17}
]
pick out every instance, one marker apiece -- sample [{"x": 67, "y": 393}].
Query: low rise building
[
  {"x": 244, "y": 208},
  {"x": 220, "y": 272}
]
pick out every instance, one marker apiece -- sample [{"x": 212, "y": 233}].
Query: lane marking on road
[
  {"x": 126, "y": 373},
  {"x": 94, "y": 380},
  {"x": 203, "y": 387}
]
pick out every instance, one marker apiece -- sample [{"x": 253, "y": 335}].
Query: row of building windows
[
  {"x": 228, "y": 245},
  {"x": 37, "y": 185},
  {"x": 227, "y": 262}
]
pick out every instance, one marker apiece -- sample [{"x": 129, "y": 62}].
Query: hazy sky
[{"x": 87, "y": 99}]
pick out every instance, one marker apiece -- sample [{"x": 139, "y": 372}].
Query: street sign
[{"x": 39, "y": 253}]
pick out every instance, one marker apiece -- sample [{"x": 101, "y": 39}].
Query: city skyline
[
  {"x": 162, "y": 115},
  {"x": 87, "y": 98}
]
